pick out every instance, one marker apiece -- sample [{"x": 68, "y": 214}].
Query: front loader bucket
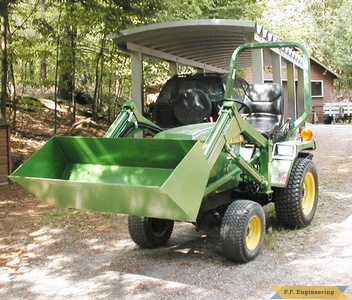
[{"x": 145, "y": 177}]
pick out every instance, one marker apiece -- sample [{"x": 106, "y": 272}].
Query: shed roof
[
  {"x": 207, "y": 43},
  {"x": 317, "y": 61}
]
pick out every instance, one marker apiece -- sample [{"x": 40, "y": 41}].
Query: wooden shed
[{"x": 5, "y": 156}]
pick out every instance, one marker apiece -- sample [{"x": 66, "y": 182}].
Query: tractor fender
[
  {"x": 280, "y": 172},
  {"x": 283, "y": 156}
]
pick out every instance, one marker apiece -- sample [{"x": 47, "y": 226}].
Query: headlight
[{"x": 285, "y": 150}]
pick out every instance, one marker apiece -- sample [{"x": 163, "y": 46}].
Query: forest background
[{"x": 62, "y": 48}]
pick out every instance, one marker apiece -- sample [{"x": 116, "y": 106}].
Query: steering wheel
[{"x": 242, "y": 105}]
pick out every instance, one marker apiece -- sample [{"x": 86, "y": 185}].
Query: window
[{"x": 317, "y": 88}]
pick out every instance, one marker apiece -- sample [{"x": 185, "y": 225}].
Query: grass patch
[
  {"x": 64, "y": 218},
  {"x": 73, "y": 218}
]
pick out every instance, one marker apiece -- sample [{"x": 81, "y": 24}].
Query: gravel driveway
[{"x": 47, "y": 252}]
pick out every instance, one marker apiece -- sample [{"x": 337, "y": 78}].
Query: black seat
[{"x": 267, "y": 104}]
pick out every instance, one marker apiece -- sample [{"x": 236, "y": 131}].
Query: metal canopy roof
[{"x": 206, "y": 44}]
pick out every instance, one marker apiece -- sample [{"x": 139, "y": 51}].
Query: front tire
[
  {"x": 242, "y": 230},
  {"x": 296, "y": 204},
  {"x": 150, "y": 232}
]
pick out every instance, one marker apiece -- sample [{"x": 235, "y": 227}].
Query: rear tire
[
  {"x": 296, "y": 204},
  {"x": 150, "y": 232},
  {"x": 242, "y": 230}
]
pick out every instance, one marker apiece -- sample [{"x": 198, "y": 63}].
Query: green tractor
[{"x": 210, "y": 174}]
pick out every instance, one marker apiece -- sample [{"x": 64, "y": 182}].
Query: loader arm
[
  {"x": 231, "y": 124},
  {"x": 130, "y": 122}
]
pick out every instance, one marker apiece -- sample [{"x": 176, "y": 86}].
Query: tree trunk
[
  {"x": 13, "y": 96},
  {"x": 67, "y": 83},
  {"x": 97, "y": 79},
  {"x": 57, "y": 71},
  {"x": 43, "y": 70},
  {"x": 67, "y": 69},
  {"x": 4, "y": 62},
  {"x": 73, "y": 80},
  {"x": 43, "y": 63}
]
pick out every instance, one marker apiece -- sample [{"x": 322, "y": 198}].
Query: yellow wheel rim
[
  {"x": 308, "y": 193},
  {"x": 254, "y": 232}
]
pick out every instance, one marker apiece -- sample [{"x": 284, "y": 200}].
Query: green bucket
[{"x": 145, "y": 177}]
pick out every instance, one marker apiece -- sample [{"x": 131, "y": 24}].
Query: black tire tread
[
  {"x": 232, "y": 234},
  {"x": 141, "y": 234},
  {"x": 288, "y": 200}
]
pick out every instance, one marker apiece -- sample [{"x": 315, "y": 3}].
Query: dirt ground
[{"x": 48, "y": 252}]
